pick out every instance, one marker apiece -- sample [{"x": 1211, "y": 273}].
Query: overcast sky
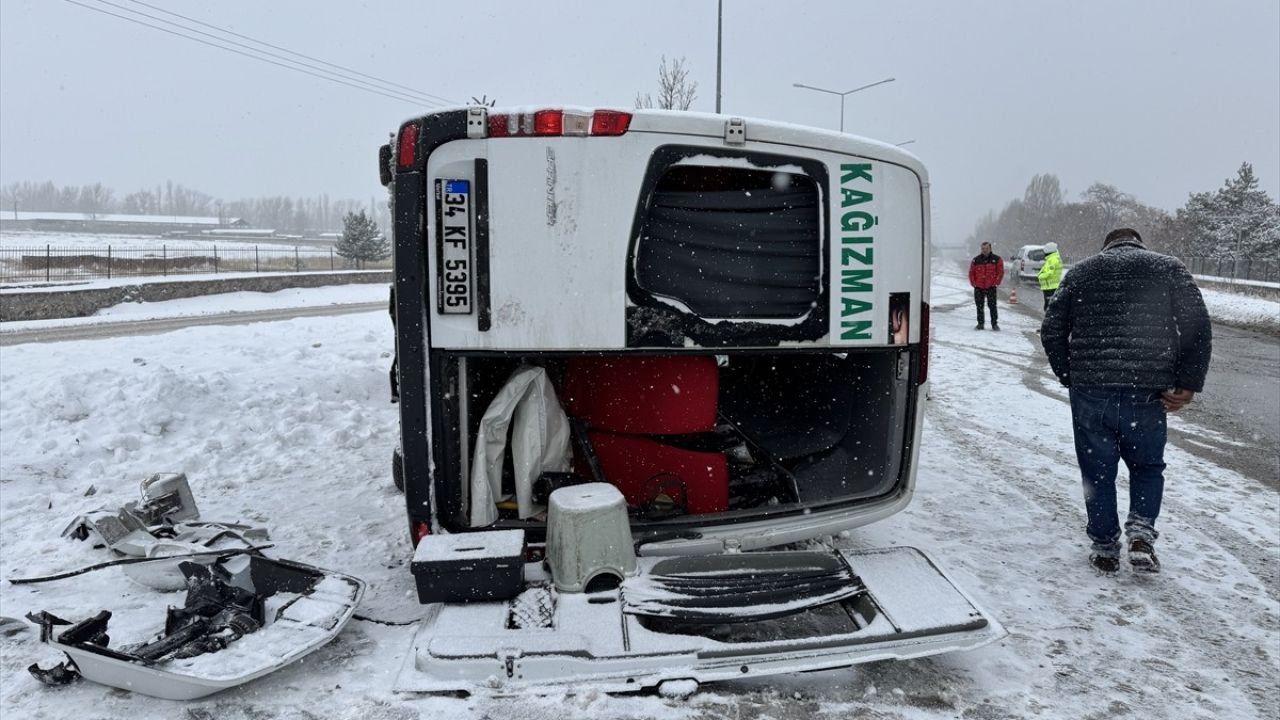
[{"x": 1161, "y": 98}]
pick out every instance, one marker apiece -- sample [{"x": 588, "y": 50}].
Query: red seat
[
  {"x": 645, "y": 470},
  {"x": 624, "y": 399},
  {"x": 668, "y": 395}
]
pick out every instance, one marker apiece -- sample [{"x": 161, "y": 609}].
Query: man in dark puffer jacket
[{"x": 1128, "y": 332}]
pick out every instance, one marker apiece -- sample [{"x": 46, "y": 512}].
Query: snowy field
[{"x": 287, "y": 425}]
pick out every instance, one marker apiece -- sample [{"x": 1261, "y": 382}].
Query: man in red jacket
[{"x": 985, "y": 275}]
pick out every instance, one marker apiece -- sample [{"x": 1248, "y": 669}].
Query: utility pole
[{"x": 719, "y": 47}]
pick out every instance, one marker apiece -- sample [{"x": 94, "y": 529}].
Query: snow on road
[{"x": 287, "y": 424}]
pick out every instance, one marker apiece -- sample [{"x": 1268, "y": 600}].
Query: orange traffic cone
[{"x": 1013, "y": 296}]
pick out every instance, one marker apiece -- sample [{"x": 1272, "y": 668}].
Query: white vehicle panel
[
  {"x": 876, "y": 249},
  {"x": 593, "y": 644},
  {"x": 562, "y": 212}
]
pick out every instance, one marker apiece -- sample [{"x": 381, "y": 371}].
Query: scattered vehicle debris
[
  {"x": 165, "y": 523},
  {"x": 244, "y": 616},
  {"x": 166, "y": 499}
]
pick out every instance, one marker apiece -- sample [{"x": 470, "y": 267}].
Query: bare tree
[
  {"x": 1041, "y": 201},
  {"x": 95, "y": 198},
  {"x": 675, "y": 91},
  {"x": 142, "y": 202},
  {"x": 1043, "y": 195}
]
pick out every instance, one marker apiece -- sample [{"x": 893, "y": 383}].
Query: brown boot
[
  {"x": 1142, "y": 557},
  {"x": 1104, "y": 563}
]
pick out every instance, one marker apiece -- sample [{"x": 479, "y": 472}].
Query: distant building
[
  {"x": 116, "y": 223},
  {"x": 239, "y": 231}
]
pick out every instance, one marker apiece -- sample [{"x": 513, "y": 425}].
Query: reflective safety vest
[{"x": 1050, "y": 275}]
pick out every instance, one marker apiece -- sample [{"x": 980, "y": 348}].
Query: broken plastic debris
[
  {"x": 254, "y": 614},
  {"x": 166, "y": 499},
  {"x": 164, "y": 524}
]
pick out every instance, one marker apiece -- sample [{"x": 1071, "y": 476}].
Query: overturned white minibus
[{"x": 636, "y": 353}]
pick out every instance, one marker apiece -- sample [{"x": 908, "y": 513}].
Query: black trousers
[
  {"x": 990, "y": 295},
  {"x": 1048, "y": 295}
]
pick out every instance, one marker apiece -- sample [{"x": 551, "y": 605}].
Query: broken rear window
[{"x": 732, "y": 242}]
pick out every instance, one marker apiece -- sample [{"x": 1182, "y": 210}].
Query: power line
[
  {"x": 248, "y": 55},
  {"x": 292, "y": 52},
  {"x": 330, "y": 77},
  {"x": 325, "y": 74}
]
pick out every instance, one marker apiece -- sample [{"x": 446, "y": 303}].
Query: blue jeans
[{"x": 1113, "y": 424}]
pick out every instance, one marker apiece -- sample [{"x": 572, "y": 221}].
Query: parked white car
[{"x": 1026, "y": 263}]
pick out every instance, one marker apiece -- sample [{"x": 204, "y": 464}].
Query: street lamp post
[
  {"x": 842, "y": 94},
  {"x": 719, "y": 48}
]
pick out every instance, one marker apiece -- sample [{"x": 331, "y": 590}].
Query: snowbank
[{"x": 1245, "y": 310}]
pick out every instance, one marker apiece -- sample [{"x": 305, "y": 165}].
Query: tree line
[
  {"x": 295, "y": 215},
  {"x": 279, "y": 212},
  {"x": 1238, "y": 220}
]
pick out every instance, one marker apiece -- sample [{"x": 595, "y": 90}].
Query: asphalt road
[
  {"x": 1240, "y": 403},
  {"x": 153, "y": 327}
]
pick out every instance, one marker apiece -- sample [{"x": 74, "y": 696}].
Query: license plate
[{"x": 455, "y": 248}]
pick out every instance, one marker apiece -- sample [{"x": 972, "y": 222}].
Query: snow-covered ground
[
  {"x": 287, "y": 424},
  {"x": 216, "y": 304}
]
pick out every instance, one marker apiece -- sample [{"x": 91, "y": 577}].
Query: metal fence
[
  {"x": 1234, "y": 268},
  {"x": 51, "y": 264}
]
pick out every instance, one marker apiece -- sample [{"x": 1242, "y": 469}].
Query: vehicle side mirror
[{"x": 384, "y": 164}]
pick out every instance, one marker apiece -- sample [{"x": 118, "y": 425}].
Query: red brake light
[
  {"x": 548, "y": 122},
  {"x": 498, "y": 126},
  {"x": 408, "y": 155},
  {"x": 924, "y": 342},
  {"x": 610, "y": 122},
  {"x": 420, "y": 530},
  {"x": 559, "y": 123}
]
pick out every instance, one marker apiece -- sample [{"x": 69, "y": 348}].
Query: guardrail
[
  {"x": 1234, "y": 268},
  {"x": 51, "y": 264}
]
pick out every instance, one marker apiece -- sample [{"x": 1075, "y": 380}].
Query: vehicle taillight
[
  {"x": 548, "y": 122},
  {"x": 420, "y": 530},
  {"x": 559, "y": 123},
  {"x": 924, "y": 343},
  {"x": 610, "y": 122},
  {"x": 504, "y": 125},
  {"x": 408, "y": 155}
]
